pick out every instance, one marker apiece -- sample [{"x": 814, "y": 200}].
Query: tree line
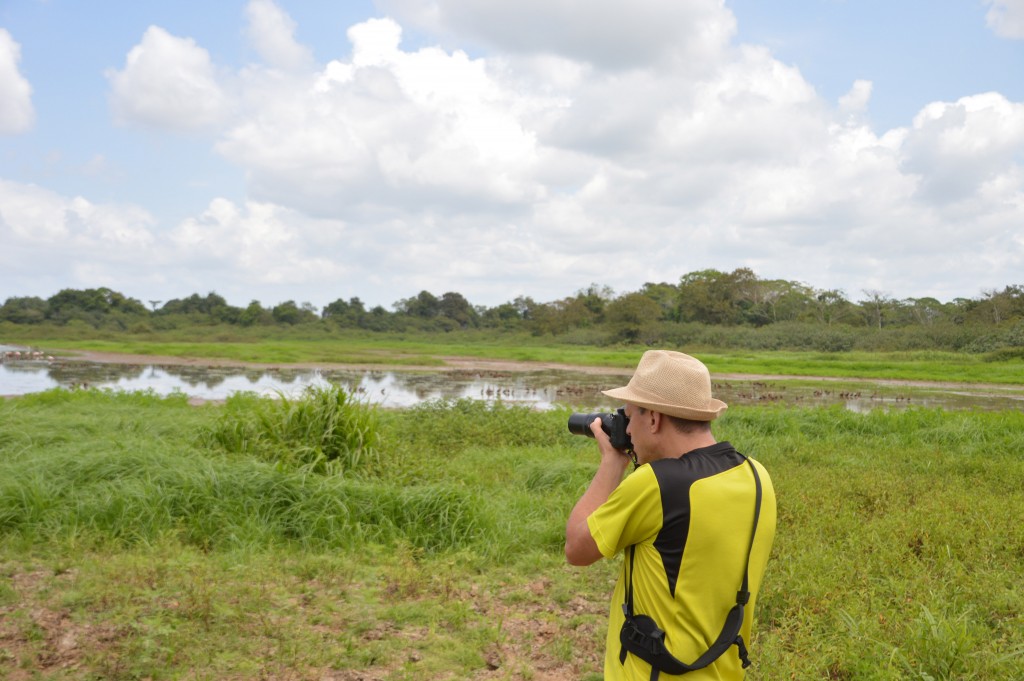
[{"x": 735, "y": 308}]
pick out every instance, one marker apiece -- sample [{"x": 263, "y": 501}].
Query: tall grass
[
  {"x": 325, "y": 428},
  {"x": 898, "y": 545},
  {"x": 78, "y": 480},
  {"x": 897, "y": 555}
]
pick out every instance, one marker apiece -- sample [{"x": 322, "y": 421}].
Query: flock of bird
[
  {"x": 762, "y": 392},
  {"x": 27, "y": 355}
]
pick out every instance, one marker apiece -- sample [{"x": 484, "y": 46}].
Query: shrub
[{"x": 325, "y": 429}]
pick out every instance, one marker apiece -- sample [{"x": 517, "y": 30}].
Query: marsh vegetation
[{"x": 321, "y": 538}]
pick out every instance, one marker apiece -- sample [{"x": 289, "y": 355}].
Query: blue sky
[
  {"x": 914, "y": 51},
  {"x": 311, "y": 151}
]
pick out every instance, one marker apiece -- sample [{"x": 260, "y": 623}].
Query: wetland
[{"x": 543, "y": 385}]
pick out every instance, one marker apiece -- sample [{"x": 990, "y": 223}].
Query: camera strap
[{"x": 641, "y": 635}]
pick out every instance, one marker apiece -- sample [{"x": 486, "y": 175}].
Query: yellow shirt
[{"x": 690, "y": 519}]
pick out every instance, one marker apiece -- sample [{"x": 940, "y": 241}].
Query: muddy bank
[
  {"x": 476, "y": 364},
  {"x": 450, "y": 364},
  {"x": 539, "y": 384}
]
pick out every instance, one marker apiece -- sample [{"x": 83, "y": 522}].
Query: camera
[{"x": 614, "y": 426}]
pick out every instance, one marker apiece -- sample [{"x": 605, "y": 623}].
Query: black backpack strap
[
  {"x": 743, "y": 595},
  {"x": 627, "y": 606}
]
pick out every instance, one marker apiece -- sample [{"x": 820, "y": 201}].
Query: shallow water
[
  {"x": 541, "y": 389},
  {"x": 387, "y": 388}
]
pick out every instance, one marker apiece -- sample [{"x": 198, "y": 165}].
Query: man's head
[
  {"x": 672, "y": 384},
  {"x": 669, "y": 405}
]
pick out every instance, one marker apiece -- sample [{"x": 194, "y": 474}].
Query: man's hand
[
  {"x": 604, "y": 443},
  {"x": 580, "y": 547}
]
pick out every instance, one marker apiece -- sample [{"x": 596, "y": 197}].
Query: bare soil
[{"x": 42, "y": 638}]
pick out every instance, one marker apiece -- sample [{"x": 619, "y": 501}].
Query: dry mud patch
[{"x": 539, "y": 639}]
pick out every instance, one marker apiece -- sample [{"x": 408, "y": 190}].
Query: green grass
[
  {"x": 135, "y": 546},
  {"x": 915, "y": 366},
  {"x": 325, "y": 430},
  {"x": 259, "y": 351}
]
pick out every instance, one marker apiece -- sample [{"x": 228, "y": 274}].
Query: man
[{"x": 688, "y": 512}]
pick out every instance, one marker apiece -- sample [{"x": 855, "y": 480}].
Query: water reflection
[
  {"x": 542, "y": 389},
  {"x": 387, "y": 388}
]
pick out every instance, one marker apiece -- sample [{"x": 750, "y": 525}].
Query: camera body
[{"x": 613, "y": 425}]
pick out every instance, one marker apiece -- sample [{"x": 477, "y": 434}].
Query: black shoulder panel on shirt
[{"x": 675, "y": 476}]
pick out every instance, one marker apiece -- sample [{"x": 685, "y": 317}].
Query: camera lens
[{"x": 579, "y": 424}]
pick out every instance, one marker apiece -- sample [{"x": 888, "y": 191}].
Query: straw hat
[{"x": 671, "y": 383}]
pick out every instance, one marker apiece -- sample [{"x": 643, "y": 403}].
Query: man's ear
[{"x": 656, "y": 420}]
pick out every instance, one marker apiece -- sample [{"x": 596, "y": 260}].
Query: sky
[{"x": 312, "y": 151}]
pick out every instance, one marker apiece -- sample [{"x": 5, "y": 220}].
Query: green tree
[
  {"x": 348, "y": 314},
  {"x": 290, "y": 313},
  {"x": 455, "y": 307},
  {"x": 583, "y": 310},
  {"x": 255, "y": 314},
  {"x": 379, "y": 319},
  {"x": 78, "y": 304},
  {"x": 424, "y": 305},
  {"x": 923, "y": 311},
  {"x": 630, "y": 315},
  {"x": 713, "y": 297},
  {"x": 24, "y": 310},
  {"x": 667, "y": 298},
  {"x": 543, "y": 318},
  {"x": 210, "y": 308},
  {"x": 594, "y": 298},
  {"x": 92, "y": 305},
  {"x": 504, "y": 316},
  {"x": 784, "y": 300},
  {"x": 876, "y": 307},
  {"x": 830, "y": 306},
  {"x": 997, "y": 307},
  {"x": 526, "y": 306}
]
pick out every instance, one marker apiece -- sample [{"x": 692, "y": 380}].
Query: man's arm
[{"x": 580, "y": 547}]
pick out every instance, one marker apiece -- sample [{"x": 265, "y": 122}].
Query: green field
[
  {"x": 431, "y": 350},
  {"x": 317, "y": 538}
]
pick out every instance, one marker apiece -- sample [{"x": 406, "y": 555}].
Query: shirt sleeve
[{"x": 630, "y": 515}]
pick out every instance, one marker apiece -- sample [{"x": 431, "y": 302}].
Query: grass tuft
[{"x": 324, "y": 430}]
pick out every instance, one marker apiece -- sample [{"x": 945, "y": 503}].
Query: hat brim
[{"x": 627, "y": 394}]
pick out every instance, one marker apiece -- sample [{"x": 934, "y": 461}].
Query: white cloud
[
  {"x": 167, "y": 82},
  {"x": 390, "y": 127},
  {"x": 753, "y": 107},
  {"x": 248, "y": 252},
  {"x": 272, "y": 33},
  {"x": 262, "y": 244},
  {"x": 540, "y": 166},
  {"x": 608, "y": 33},
  {"x": 431, "y": 169},
  {"x": 1006, "y": 18},
  {"x": 48, "y": 237},
  {"x": 856, "y": 100},
  {"x": 956, "y": 147},
  {"x": 34, "y": 215},
  {"x": 16, "y": 112}
]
